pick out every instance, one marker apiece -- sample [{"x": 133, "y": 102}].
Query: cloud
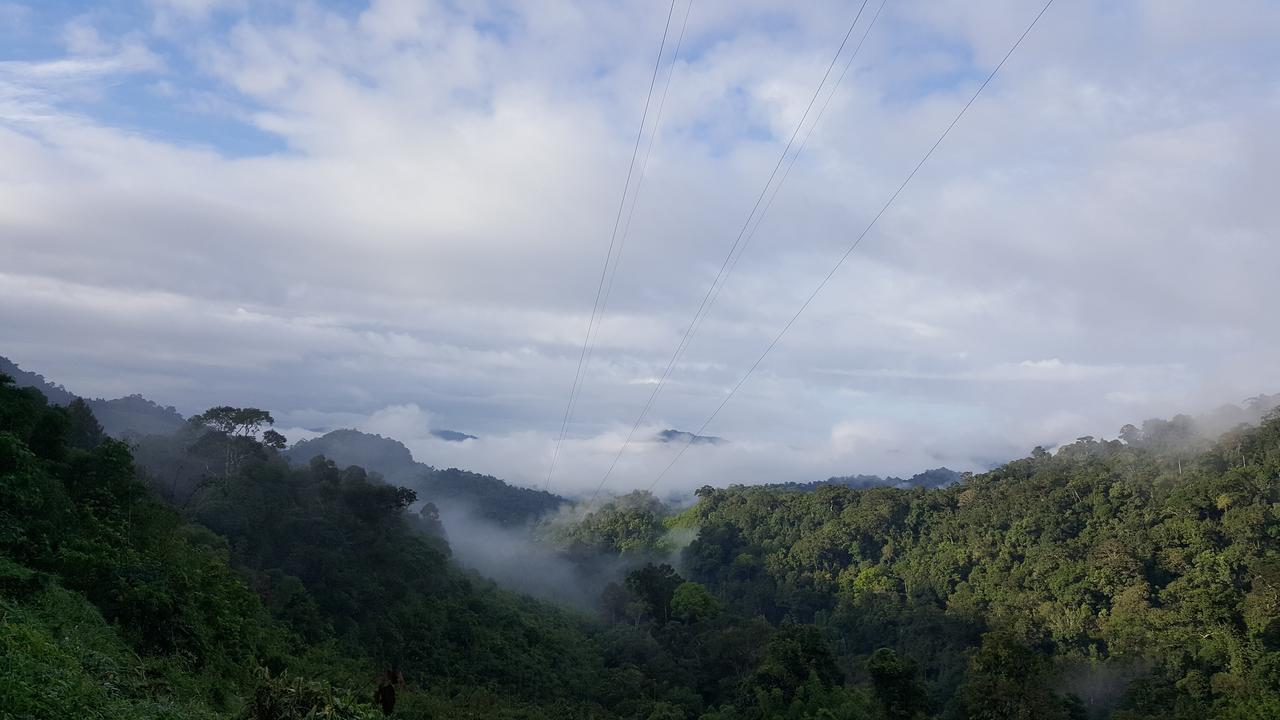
[
  {"x": 407, "y": 422},
  {"x": 32, "y": 89},
  {"x": 426, "y": 226}
]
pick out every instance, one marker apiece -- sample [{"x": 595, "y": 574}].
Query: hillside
[
  {"x": 482, "y": 495},
  {"x": 385, "y": 456},
  {"x": 204, "y": 575},
  {"x": 122, "y": 417},
  {"x": 639, "y": 360},
  {"x": 271, "y": 594}
]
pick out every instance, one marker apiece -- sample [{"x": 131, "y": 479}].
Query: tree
[
  {"x": 893, "y": 679},
  {"x": 795, "y": 655},
  {"x": 613, "y": 601},
  {"x": 655, "y": 587},
  {"x": 692, "y": 602},
  {"x": 83, "y": 430},
  {"x": 1131, "y": 435},
  {"x": 233, "y": 433},
  {"x": 1009, "y": 681},
  {"x": 237, "y": 422}
]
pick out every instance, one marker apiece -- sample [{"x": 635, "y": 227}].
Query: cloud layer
[{"x": 394, "y": 216}]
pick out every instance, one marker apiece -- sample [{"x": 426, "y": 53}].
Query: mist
[
  {"x": 527, "y": 558},
  {"x": 897, "y": 447},
  {"x": 517, "y": 559}
]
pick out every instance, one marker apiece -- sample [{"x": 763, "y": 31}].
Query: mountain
[
  {"x": 130, "y": 416},
  {"x": 935, "y": 478},
  {"x": 452, "y": 435},
  {"x": 852, "y": 481},
  {"x": 135, "y": 415},
  {"x": 385, "y": 456},
  {"x": 56, "y": 394},
  {"x": 482, "y": 495},
  {"x": 273, "y": 593},
  {"x": 490, "y": 498},
  {"x": 669, "y": 436}
]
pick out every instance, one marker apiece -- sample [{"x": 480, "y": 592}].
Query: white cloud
[
  {"x": 127, "y": 60},
  {"x": 31, "y": 90},
  {"x": 409, "y": 423}
]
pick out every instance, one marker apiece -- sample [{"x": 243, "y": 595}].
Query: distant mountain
[
  {"x": 482, "y": 495},
  {"x": 670, "y": 435},
  {"x": 385, "y": 456},
  {"x": 122, "y": 417},
  {"x": 136, "y": 415},
  {"x": 55, "y": 394},
  {"x": 935, "y": 478},
  {"x": 857, "y": 481},
  {"x": 491, "y": 498},
  {"x": 453, "y": 435}
]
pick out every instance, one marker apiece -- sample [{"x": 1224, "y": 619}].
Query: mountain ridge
[{"x": 132, "y": 415}]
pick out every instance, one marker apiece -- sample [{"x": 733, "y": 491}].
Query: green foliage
[
  {"x": 796, "y": 656},
  {"x": 488, "y": 497},
  {"x": 316, "y": 568},
  {"x": 893, "y": 679},
  {"x": 1152, "y": 560},
  {"x": 1009, "y": 681},
  {"x": 630, "y": 525},
  {"x": 83, "y": 430},
  {"x": 77, "y": 520},
  {"x": 655, "y": 587},
  {"x": 60, "y": 659},
  {"x": 483, "y": 496},
  {"x": 284, "y": 697},
  {"x": 1134, "y": 580},
  {"x": 692, "y": 602},
  {"x": 240, "y": 422}
]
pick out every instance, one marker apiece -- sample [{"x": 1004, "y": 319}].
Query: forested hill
[
  {"x": 937, "y": 477},
  {"x": 1139, "y": 577},
  {"x": 134, "y": 417},
  {"x": 385, "y": 456},
  {"x": 129, "y": 416},
  {"x": 482, "y": 495},
  {"x": 261, "y": 591}
]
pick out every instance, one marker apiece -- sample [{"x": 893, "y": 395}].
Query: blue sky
[
  {"x": 392, "y": 215},
  {"x": 167, "y": 101}
]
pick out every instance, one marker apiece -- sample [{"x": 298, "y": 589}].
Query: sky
[{"x": 393, "y": 216}]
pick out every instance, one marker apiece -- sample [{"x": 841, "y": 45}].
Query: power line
[
  {"x": 743, "y": 238},
  {"x": 853, "y": 246},
  {"x": 597, "y": 308},
  {"x": 785, "y": 173},
  {"x": 644, "y": 165},
  {"x": 635, "y": 196}
]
